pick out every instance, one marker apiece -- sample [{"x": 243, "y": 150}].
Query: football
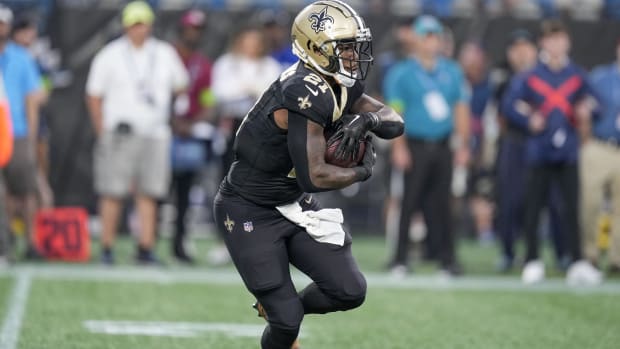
[{"x": 330, "y": 151}]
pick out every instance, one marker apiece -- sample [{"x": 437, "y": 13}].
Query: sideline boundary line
[{"x": 11, "y": 328}]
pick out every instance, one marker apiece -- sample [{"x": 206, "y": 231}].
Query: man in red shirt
[{"x": 190, "y": 129}]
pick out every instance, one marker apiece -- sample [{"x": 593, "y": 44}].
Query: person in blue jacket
[{"x": 542, "y": 102}]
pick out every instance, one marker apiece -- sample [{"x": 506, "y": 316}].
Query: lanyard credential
[
  {"x": 421, "y": 75},
  {"x": 143, "y": 77},
  {"x": 432, "y": 98}
]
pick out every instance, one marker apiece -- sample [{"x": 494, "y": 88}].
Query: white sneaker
[
  {"x": 533, "y": 272},
  {"x": 398, "y": 271},
  {"x": 582, "y": 273}
]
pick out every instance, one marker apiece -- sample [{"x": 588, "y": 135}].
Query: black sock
[{"x": 278, "y": 338}]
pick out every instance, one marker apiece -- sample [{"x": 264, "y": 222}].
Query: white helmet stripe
[{"x": 360, "y": 23}]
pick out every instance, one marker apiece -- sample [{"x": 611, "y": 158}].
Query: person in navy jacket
[{"x": 542, "y": 102}]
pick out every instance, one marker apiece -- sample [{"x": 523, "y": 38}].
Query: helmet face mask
[
  {"x": 333, "y": 39},
  {"x": 355, "y": 58}
]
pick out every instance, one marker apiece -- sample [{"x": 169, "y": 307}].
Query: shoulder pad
[{"x": 308, "y": 94}]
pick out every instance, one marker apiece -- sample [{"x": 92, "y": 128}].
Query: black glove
[
  {"x": 368, "y": 161},
  {"x": 354, "y": 128}
]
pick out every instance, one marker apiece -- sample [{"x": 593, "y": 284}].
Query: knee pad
[
  {"x": 353, "y": 303},
  {"x": 353, "y": 293}
]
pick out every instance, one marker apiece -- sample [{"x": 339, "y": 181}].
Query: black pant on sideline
[
  {"x": 428, "y": 188},
  {"x": 182, "y": 184},
  {"x": 540, "y": 178}
]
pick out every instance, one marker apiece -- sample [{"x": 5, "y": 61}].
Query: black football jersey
[{"x": 262, "y": 171}]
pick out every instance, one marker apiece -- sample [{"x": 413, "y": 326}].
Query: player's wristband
[{"x": 361, "y": 173}]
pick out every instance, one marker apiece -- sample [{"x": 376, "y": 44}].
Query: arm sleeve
[
  {"x": 205, "y": 93},
  {"x": 297, "y": 147},
  {"x": 596, "y": 85},
  {"x": 591, "y": 94},
  {"x": 464, "y": 90},
  {"x": 514, "y": 95},
  {"x": 180, "y": 77},
  {"x": 355, "y": 92},
  {"x": 96, "y": 83},
  {"x": 32, "y": 77}
]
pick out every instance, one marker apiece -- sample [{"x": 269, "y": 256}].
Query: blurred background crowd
[{"x": 523, "y": 144}]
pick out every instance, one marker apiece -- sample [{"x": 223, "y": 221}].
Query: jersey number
[{"x": 316, "y": 81}]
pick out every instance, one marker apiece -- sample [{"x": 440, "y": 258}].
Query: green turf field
[{"x": 90, "y": 306}]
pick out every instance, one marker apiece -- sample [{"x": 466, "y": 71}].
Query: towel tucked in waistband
[{"x": 324, "y": 225}]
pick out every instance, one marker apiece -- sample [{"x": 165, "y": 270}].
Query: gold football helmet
[{"x": 321, "y": 34}]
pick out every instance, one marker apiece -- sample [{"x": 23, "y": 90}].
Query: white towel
[{"x": 323, "y": 225}]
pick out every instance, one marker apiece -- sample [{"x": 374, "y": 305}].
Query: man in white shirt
[{"x": 129, "y": 91}]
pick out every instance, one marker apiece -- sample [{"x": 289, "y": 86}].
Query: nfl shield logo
[{"x": 247, "y": 226}]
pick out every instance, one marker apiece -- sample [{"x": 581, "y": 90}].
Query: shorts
[
  {"x": 20, "y": 172},
  {"x": 124, "y": 162}
]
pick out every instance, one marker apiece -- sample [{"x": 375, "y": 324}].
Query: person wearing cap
[
  {"x": 433, "y": 96},
  {"x": 542, "y": 103},
  {"x": 194, "y": 109},
  {"x": 599, "y": 165},
  {"x": 25, "y": 33},
  {"x": 22, "y": 82},
  {"x": 129, "y": 89}
]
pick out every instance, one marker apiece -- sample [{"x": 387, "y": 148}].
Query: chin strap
[{"x": 344, "y": 80}]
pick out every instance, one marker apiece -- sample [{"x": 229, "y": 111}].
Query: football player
[{"x": 263, "y": 206}]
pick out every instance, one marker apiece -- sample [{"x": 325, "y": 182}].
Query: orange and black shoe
[{"x": 262, "y": 313}]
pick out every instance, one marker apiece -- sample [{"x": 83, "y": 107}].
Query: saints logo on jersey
[
  {"x": 304, "y": 103},
  {"x": 320, "y": 19}
]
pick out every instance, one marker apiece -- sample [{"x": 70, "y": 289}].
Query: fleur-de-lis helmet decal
[{"x": 320, "y": 20}]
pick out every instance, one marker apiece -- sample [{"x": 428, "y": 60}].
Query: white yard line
[
  {"x": 172, "y": 329},
  {"x": 175, "y": 329},
  {"x": 11, "y": 327},
  {"x": 229, "y": 277}
]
